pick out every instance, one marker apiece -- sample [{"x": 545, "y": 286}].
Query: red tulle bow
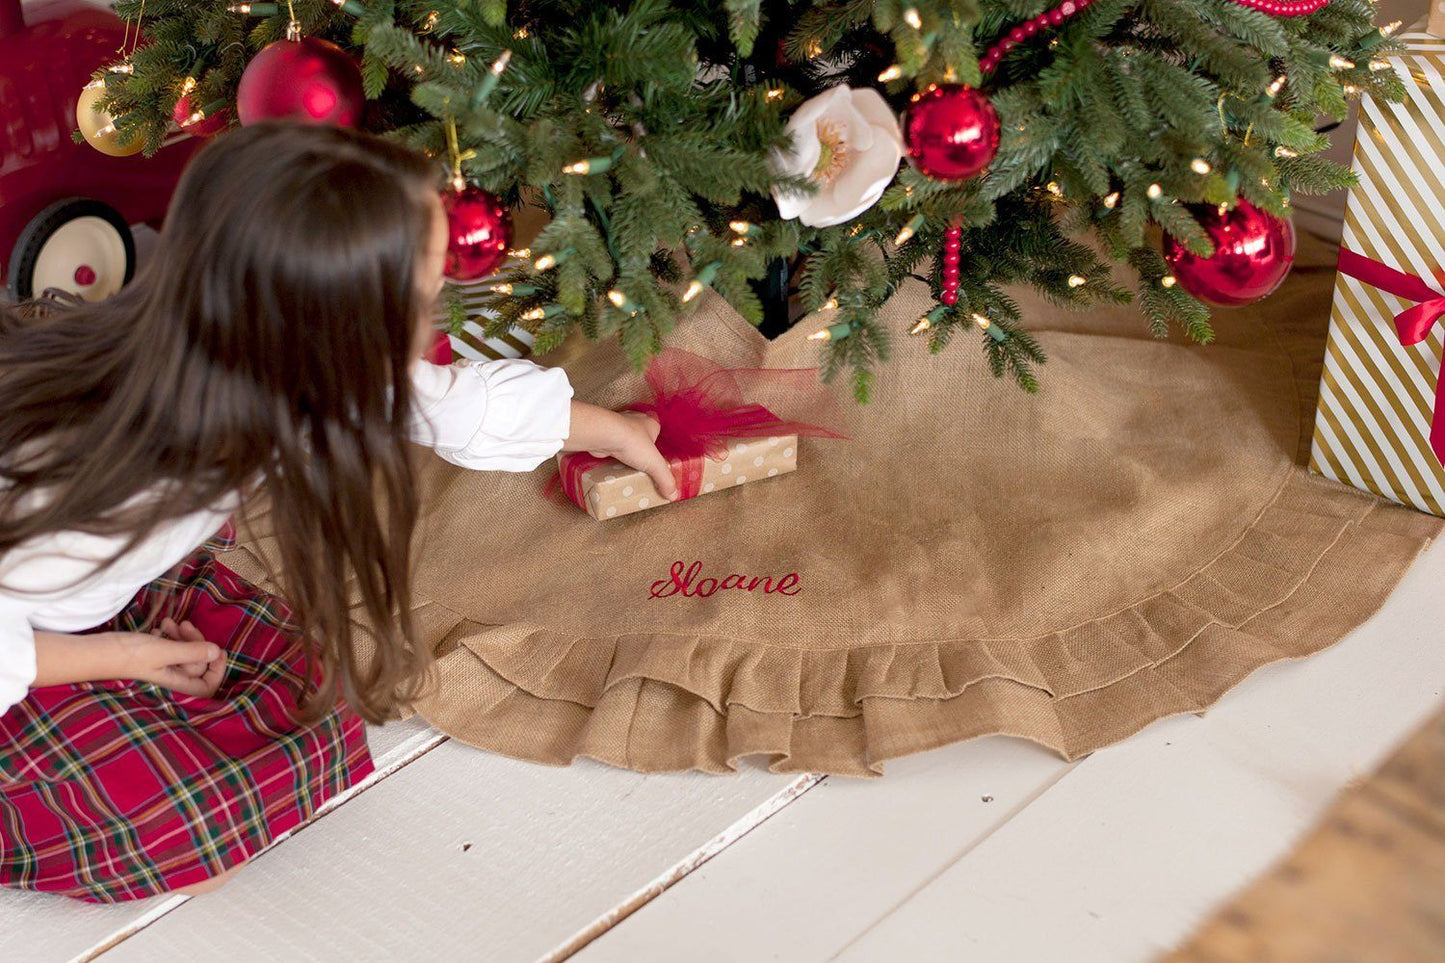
[
  {"x": 1413, "y": 324},
  {"x": 700, "y": 406}
]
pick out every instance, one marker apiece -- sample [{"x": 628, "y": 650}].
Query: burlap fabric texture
[{"x": 1066, "y": 568}]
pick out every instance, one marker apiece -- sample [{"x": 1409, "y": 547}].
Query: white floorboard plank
[
  {"x": 1109, "y": 860},
  {"x": 462, "y": 855},
  {"x": 804, "y": 883},
  {"x": 1135, "y": 846},
  {"x": 42, "y": 928}
]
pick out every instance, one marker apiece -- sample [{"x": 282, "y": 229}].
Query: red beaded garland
[
  {"x": 1051, "y": 18},
  {"x": 952, "y": 242},
  {"x": 1284, "y": 8},
  {"x": 1055, "y": 17}
]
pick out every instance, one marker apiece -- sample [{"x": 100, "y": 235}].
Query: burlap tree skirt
[{"x": 1067, "y": 568}]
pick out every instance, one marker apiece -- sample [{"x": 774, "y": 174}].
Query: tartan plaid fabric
[{"x": 118, "y": 790}]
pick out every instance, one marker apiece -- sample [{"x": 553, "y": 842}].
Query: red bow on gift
[
  {"x": 699, "y": 406},
  {"x": 1412, "y": 324}
]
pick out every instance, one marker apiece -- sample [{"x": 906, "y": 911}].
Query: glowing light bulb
[
  {"x": 1168, "y": 281},
  {"x": 892, "y": 73},
  {"x": 545, "y": 263},
  {"x": 1200, "y": 166},
  {"x": 1111, "y": 200},
  {"x": 911, "y": 17},
  {"x": 1077, "y": 280},
  {"x": 1155, "y": 192}
]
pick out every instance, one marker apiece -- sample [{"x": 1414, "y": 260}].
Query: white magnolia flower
[{"x": 848, "y": 142}]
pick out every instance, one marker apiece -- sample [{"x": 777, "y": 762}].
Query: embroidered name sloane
[{"x": 683, "y": 580}]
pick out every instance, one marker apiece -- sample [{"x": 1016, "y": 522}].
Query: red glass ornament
[
  {"x": 310, "y": 80},
  {"x": 479, "y": 230},
  {"x": 206, "y": 126},
  {"x": 951, "y": 131},
  {"x": 1253, "y": 252}
]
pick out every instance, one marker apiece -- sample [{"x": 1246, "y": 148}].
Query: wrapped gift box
[
  {"x": 1377, "y": 398},
  {"x": 612, "y": 489}
]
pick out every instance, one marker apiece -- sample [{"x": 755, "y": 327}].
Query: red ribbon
[
  {"x": 700, "y": 406},
  {"x": 1413, "y": 324},
  {"x": 440, "y": 351}
]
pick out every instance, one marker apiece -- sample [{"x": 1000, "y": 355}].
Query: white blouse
[{"x": 507, "y": 415}]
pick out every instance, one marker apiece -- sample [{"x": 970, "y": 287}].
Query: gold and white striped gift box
[
  {"x": 1372, "y": 429},
  {"x": 472, "y": 342}
]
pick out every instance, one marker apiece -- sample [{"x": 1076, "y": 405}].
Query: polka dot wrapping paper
[{"x": 612, "y": 489}]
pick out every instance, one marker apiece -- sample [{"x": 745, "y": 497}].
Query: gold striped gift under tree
[
  {"x": 472, "y": 341},
  {"x": 1372, "y": 429}
]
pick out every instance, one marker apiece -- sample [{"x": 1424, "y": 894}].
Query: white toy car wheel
[{"x": 77, "y": 245}]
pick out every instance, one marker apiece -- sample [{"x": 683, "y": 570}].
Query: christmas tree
[{"x": 753, "y": 146}]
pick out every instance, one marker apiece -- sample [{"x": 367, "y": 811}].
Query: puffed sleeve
[
  {"x": 17, "y": 652},
  {"x": 504, "y": 415}
]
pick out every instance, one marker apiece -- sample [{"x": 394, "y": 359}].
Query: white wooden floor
[{"x": 991, "y": 850}]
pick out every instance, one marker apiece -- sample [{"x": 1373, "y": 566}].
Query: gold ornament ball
[{"x": 98, "y": 127}]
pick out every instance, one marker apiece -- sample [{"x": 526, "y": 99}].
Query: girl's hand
[
  {"x": 628, "y": 436},
  {"x": 179, "y": 658}
]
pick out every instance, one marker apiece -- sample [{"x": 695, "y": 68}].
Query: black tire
[{"x": 24, "y": 258}]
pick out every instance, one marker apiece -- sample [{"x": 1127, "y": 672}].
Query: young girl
[{"x": 163, "y": 720}]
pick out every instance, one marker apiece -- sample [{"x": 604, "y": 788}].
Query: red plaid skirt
[{"x": 113, "y": 791}]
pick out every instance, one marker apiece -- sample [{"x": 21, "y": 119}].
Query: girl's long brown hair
[{"x": 267, "y": 339}]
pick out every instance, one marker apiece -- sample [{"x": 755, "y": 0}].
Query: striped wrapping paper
[
  {"x": 471, "y": 342},
  {"x": 1372, "y": 430}
]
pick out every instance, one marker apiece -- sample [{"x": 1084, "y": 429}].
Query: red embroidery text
[{"x": 683, "y": 580}]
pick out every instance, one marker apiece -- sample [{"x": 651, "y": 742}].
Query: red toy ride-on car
[{"x": 65, "y": 208}]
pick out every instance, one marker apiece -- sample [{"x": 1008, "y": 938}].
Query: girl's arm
[
  {"x": 512, "y": 415},
  {"x": 630, "y": 437}
]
